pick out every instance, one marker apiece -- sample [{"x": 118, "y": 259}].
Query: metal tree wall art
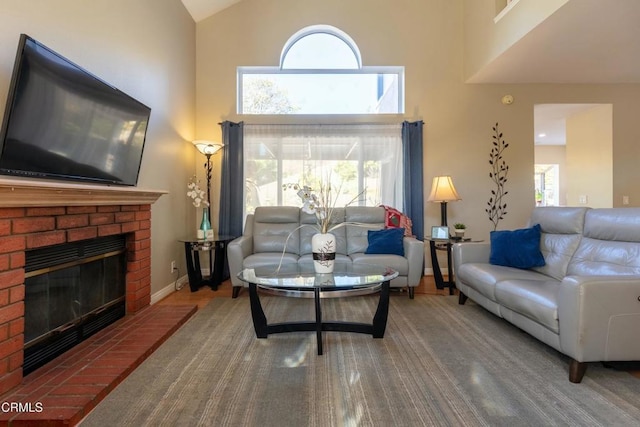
[{"x": 497, "y": 207}]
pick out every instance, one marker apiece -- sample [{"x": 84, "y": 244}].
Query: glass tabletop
[
  {"x": 301, "y": 276},
  {"x": 216, "y": 238}
]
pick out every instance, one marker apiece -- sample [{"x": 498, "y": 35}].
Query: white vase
[{"x": 323, "y": 246}]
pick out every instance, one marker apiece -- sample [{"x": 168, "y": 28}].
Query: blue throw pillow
[
  {"x": 517, "y": 248},
  {"x": 388, "y": 241}
]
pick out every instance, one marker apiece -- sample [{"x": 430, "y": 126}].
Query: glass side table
[{"x": 218, "y": 269}]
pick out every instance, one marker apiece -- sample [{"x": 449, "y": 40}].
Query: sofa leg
[
  {"x": 411, "y": 291},
  {"x": 236, "y": 291},
  {"x": 462, "y": 298},
  {"x": 576, "y": 371}
]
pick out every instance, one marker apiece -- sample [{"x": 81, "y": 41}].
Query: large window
[
  {"x": 363, "y": 159},
  {"x": 321, "y": 72}
]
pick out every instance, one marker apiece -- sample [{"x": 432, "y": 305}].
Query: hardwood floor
[{"x": 205, "y": 294}]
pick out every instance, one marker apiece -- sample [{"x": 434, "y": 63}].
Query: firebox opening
[{"x": 71, "y": 292}]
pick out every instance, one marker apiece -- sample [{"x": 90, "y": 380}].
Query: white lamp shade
[
  {"x": 207, "y": 147},
  {"x": 442, "y": 190}
]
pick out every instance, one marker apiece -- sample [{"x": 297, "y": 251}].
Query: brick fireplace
[{"x": 36, "y": 215}]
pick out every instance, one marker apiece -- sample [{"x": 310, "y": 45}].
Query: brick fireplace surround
[{"x": 33, "y": 215}]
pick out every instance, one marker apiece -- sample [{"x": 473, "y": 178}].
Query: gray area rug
[{"x": 439, "y": 364}]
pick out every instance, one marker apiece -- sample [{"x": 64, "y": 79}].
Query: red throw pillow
[{"x": 396, "y": 219}]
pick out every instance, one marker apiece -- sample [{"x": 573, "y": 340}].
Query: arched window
[
  {"x": 321, "y": 72},
  {"x": 320, "y": 47}
]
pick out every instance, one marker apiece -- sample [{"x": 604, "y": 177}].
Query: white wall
[{"x": 146, "y": 48}]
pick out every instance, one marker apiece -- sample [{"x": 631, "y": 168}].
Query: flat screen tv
[{"x": 62, "y": 122}]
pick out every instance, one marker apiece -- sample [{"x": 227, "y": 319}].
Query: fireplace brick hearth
[{"x": 31, "y": 227}]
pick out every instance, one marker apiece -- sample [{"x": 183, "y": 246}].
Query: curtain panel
[
  {"x": 413, "y": 175},
  {"x": 231, "y": 217},
  {"x": 363, "y": 162}
]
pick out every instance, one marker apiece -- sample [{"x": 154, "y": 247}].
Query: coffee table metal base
[{"x": 263, "y": 329}]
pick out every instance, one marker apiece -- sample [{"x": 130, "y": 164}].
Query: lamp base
[{"x": 443, "y": 213}]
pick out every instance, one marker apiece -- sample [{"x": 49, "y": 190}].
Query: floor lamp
[
  {"x": 208, "y": 148},
  {"x": 443, "y": 191}
]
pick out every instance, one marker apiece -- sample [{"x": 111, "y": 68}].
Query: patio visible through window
[{"x": 363, "y": 161}]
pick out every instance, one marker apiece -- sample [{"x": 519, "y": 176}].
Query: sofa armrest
[
  {"x": 599, "y": 317},
  {"x": 414, "y": 253},
  {"x": 237, "y": 250},
  {"x": 477, "y": 252}
]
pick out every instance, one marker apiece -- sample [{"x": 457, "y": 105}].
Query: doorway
[{"x": 573, "y": 155}]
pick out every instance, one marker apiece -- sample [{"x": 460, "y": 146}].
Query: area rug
[{"x": 439, "y": 364}]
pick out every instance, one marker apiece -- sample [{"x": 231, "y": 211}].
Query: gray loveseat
[
  {"x": 585, "y": 300},
  {"x": 270, "y": 227}
]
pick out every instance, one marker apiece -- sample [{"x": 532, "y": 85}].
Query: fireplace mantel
[{"x": 26, "y": 193}]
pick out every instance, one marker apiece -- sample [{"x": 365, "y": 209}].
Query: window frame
[
  {"x": 376, "y": 70},
  {"x": 398, "y": 71}
]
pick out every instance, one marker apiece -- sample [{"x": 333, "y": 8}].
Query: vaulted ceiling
[
  {"x": 201, "y": 9},
  {"x": 584, "y": 41}
]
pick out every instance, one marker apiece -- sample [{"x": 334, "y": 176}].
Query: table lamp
[{"x": 443, "y": 191}]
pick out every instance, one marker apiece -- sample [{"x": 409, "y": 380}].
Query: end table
[
  {"x": 444, "y": 245},
  {"x": 218, "y": 271}
]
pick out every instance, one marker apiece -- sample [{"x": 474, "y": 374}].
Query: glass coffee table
[{"x": 301, "y": 281}]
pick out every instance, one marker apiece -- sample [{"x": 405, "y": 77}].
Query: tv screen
[{"x": 62, "y": 122}]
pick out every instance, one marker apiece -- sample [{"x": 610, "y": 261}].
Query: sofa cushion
[
  {"x": 361, "y": 219},
  {"x": 610, "y": 243},
  {"x": 387, "y": 241},
  {"x": 617, "y": 224},
  {"x": 516, "y": 248},
  {"x": 561, "y": 229},
  {"x": 534, "y": 299},
  {"x": 559, "y": 219},
  {"x": 605, "y": 257},
  {"x": 268, "y": 258},
  {"x": 483, "y": 277},
  {"x": 557, "y": 250},
  {"x": 398, "y": 263},
  {"x": 273, "y": 227}
]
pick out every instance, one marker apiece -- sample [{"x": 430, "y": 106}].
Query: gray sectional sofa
[
  {"x": 585, "y": 300},
  {"x": 271, "y": 227}
]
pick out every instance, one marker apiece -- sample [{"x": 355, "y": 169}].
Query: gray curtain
[
  {"x": 231, "y": 184},
  {"x": 413, "y": 176}
]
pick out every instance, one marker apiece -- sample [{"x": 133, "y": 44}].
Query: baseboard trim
[
  {"x": 169, "y": 289},
  {"x": 428, "y": 271}
]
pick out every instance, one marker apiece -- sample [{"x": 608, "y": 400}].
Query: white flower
[
  {"x": 321, "y": 204},
  {"x": 196, "y": 194}
]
